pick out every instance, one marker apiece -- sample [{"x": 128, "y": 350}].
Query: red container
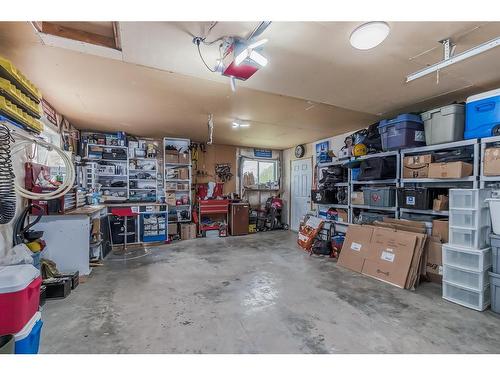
[{"x": 19, "y": 296}]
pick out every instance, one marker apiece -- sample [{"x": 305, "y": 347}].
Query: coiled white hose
[{"x": 69, "y": 178}]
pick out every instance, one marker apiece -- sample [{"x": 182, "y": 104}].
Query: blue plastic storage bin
[
  {"x": 404, "y": 131},
  {"x": 355, "y": 173},
  {"x": 482, "y": 115},
  {"x": 28, "y": 339}
]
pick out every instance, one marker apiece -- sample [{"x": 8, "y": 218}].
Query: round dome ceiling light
[{"x": 369, "y": 35}]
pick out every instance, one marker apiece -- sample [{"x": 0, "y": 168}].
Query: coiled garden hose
[{"x": 7, "y": 193}]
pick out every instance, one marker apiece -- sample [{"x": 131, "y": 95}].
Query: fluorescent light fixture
[
  {"x": 369, "y": 35},
  {"x": 258, "y": 58},
  {"x": 237, "y": 125},
  {"x": 257, "y": 43},
  {"x": 241, "y": 57},
  {"x": 453, "y": 60}
]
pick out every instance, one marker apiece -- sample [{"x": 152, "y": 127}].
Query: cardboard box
[
  {"x": 491, "y": 161},
  {"x": 440, "y": 203},
  {"x": 183, "y": 173},
  {"x": 416, "y": 166},
  {"x": 456, "y": 169},
  {"x": 391, "y": 257},
  {"x": 357, "y": 197},
  {"x": 184, "y": 158},
  {"x": 173, "y": 229},
  {"x": 342, "y": 215},
  {"x": 356, "y": 247},
  {"x": 171, "y": 156},
  {"x": 434, "y": 264},
  {"x": 170, "y": 199},
  {"x": 188, "y": 231},
  {"x": 440, "y": 229}
]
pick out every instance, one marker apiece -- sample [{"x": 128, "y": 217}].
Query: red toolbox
[{"x": 19, "y": 296}]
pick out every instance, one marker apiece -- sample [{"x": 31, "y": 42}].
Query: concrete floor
[{"x": 255, "y": 294}]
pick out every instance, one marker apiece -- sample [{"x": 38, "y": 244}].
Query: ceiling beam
[{"x": 75, "y": 34}]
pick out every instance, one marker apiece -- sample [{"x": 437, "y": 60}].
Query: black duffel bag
[
  {"x": 323, "y": 196},
  {"x": 377, "y": 169}
]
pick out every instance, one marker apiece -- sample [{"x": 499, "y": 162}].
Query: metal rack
[
  {"x": 487, "y": 181},
  {"x": 385, "y": 182},
  {"x": 94, "y": 176},
  {"x": 138, "y": 182},
  {"x": 465, "y": 182},
  {"x": 183, "y": 144}
]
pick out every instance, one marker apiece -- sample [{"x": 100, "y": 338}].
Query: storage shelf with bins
[
  {"x": 142, "y": 180},
  {"x": 356, "y": 185},
  {"x": 445, "y": 183},
  {"x": 488, "y": 181},
  {"x": 106, "y": 171},
  {"x": 177, "y": 188}
]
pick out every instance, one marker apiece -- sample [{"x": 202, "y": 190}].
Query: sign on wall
[
  {"x": 261, "y": 153},
  {"x": 322, "y": 152}
]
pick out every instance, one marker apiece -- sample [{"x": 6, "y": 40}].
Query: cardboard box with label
[
  {"x": 455, "y": 169},
  {"x": 172, "y": 229},
  {"x": 440, "y": 203},
  {"x": 183, "y": 173},
  {"x": 188, "y": 231},
  {"x": 491, "y": 161},
  {"x": 391, "y": 256},
  {"x": 171, "y": 156},
  {"x": 357, "y": 197},
  {"x": 356, "y": 247},
  {"x": 440, "y": 229},
  {"x": 170, "y": 199},
  {"x": 342, "y": 215},
  {"x": 434, "y": 263},
  {"x": 416, "y": 166}
]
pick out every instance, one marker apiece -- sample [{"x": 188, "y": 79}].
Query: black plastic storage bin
[
  {"x": 323, "y": 196},
  {"x": 377, "y": 169},
  {"x": 414, "y": 197}
]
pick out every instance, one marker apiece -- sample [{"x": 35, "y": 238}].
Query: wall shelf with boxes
[
  {"x": 429, "y": 172},
  {"x": 107, "y": 165},
  {"x": 490, "y": 162},
  {"x": 177, "y": 183}
]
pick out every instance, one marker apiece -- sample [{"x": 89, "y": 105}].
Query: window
[{"x": 260, "y": 172}]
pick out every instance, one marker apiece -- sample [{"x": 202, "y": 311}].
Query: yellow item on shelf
[
  {"x": 12, "y": 111},
  {"x": 9, "y": 71},
  {"x": 34, "y": 246},
  {"x": 359, "y": 150},
  {"x": 11, "y": 93}
]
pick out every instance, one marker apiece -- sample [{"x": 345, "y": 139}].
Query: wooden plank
[
  {"x": 116, "y": 33},
  {"x": 79, "y": 35}
]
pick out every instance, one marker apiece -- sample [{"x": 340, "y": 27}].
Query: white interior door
[{"x": 300, "y": 195}]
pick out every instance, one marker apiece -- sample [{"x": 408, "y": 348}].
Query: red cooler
[{"x": 19, "y": 296}]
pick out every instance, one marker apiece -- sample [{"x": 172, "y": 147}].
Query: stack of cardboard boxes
[
  {"x": 393, "y": 251},
  {"x": 422, "y": 166}
]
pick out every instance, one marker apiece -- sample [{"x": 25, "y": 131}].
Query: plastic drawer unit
[
  {"x": 482, "y": 115},
  {"x": 471, "y": 238},
  {"x": 19, "y": 296},
  {"x": 467, "y": 259},
  {"x": 473, "y": 299},
  {"x": 404, "y": 131},
  {"x": 495, "y": 292},
  {"x": 469, "y": 199},
  {"x": 471, "y": 219},
  {"x": 445, "y": 124},
  {"x": 464, "y": 278}
]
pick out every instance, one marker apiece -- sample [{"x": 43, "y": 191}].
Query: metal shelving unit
[
  {"x": 103, "y": 178},
  {"x": 183, "y": 145},
  {"x": 487, "y": 181},
  {"x": 140, "y": 185},
  {"x": 465, "y": 182},
  {"x": 385, "y": 182}
]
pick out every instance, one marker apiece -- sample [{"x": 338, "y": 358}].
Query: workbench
[{"x": 68, "y": 237}]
